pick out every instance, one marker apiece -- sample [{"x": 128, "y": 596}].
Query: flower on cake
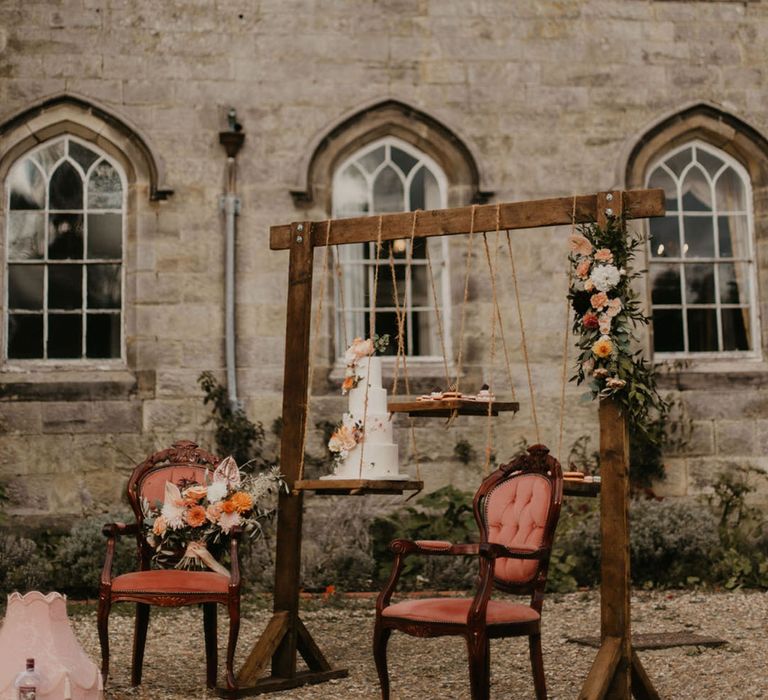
[
  {"x": 360, "y": 349},
  {"x": 345, "y": 438},
  {"x": 197, "y": 518}
]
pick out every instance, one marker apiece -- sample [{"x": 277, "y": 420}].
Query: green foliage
[
  {"x": 78, "y": 557},
  {"x": 464, "y": 451},
  {"x": 743, "y": 561},
  {"x": 445, "y": 514},
  {"x": 23, "y": 566},
  {"x": 669, "y": 542},
  {"x": 235, "y": 433}
]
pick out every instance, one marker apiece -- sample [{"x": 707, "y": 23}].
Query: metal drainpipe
[{"x": 232, "y": 141}]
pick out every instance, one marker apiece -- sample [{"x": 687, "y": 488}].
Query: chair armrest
[
  {"x": 494, "y": 550},
  {"x": 117, "y": 529},
  {"x": 432, "y": 548},
  {"x": 112, "y": 531}
]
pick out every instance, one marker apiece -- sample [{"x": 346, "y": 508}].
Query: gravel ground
[{"x": 435, "y": 669}]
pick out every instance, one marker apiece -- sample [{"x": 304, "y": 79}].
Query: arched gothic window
[
  {"x": 390, "y": 175},
  {"x": 65, "y": 218},
  {"x": 701, "y": 262}
]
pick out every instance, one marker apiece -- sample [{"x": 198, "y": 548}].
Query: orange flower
[
  {"x": 242, "y": 501},
  {"x": 603, "y": 347},
  {"x": 582, "y": 269},
  {"x": 228, "y": 506},
  {"x": 349, "y": 383},
  {"x": 160, "y": 526},
  {"x": 195, "y": 516}
]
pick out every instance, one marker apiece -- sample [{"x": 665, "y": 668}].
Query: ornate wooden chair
[
  {"x": 516, "y": 508},
  {"x": 168, "y": 587}
]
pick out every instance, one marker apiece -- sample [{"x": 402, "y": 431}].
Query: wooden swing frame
[{"x": 616, "y": 672}]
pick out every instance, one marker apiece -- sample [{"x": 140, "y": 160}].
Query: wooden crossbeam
[{"x": 637, "y": 204}]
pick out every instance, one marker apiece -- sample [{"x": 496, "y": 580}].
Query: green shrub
[
  {"x": 78, "y": 557},
  {"x": 23, "y": 566},
  {"x": 445, "y": 514},
  {"x": 670, "y": 542}
]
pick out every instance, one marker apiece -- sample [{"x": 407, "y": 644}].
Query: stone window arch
[
  {"x": 65, "y": 231},
  {"x": 702, "y": 259},
  {"x": 77, "y": 183},
  {"x": 390, "y": 156}
]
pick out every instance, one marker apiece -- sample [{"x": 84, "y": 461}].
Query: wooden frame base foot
[{"x": 272, "y": 684}]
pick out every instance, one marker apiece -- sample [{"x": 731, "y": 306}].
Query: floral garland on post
[{"x": 607, "y": 311}]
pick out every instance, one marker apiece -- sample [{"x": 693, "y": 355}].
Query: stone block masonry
[{"x": 549, "y": 96}]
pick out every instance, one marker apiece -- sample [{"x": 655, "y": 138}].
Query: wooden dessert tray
[
  {"x": 579, "y": 487},
  {"x": 445, "y": 408},
  {"x": 356, "y": 487}
]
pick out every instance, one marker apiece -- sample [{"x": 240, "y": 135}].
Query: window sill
[
  {"x": 712, "y": 374},
  {"x": 74, "y": 384}
]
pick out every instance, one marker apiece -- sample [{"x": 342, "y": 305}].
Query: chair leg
[
  {"x": 537, "y": 665},
  {"x": 139, "y": 642},
  {"x": 479, "y": 650},
  {"x": 234, "y": 629},
  {"x": 380, "y": 638},
  {"x": 103, "y": 625},
  {"x": 211, "y": 644}
]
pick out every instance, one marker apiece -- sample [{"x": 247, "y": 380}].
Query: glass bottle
[{"x": 27, "y": 682}]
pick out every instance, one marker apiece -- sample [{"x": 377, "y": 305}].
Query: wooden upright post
[
  {"x": 285, "y": 634},
  {"x": 616, "y": 673}
]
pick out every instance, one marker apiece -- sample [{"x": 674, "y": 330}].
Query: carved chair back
[
  {"x": 518, "y": 507},
  {"x": 181, "y": 463}
]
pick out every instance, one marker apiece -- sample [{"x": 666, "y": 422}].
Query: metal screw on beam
[
  {"x": 299, "y": 239},
  {"x": 609, "y": 212},
  {"x": 609, "y": 197}
]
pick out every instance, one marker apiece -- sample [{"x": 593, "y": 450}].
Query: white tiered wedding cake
[{"x": 363, "y": 442}]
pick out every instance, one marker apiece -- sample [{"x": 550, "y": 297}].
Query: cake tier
[
  {"x": 377, "y": 429},
  {"x": 377, "y": 400},
  {"x": 379, "y": 462}
]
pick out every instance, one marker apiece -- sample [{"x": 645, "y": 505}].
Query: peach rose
[
  {"x": 598, "y": 300},
  {"x": 213, "y": 512},
  {"x": 579, "y": 244},
  {"x": 600, "y": 373},
  {"x": 242, "y": 501},
  {"x": 196, "y": 492},
  {"x": 604, "y": 255},
  {"x": 582, "y": 269},
  {"x": 603, "y": 347},
  {"x": 160, "y": 526},
  {"x": 195, "y": 516},
  {"x": 589, "y": 285},
  {"x": 604, "y": 322},
  {"x": 615, "y": 383},
  {"x": 614, "y": 308}
]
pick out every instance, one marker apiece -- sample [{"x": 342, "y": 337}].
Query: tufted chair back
[{"x": 518, "y": 506}]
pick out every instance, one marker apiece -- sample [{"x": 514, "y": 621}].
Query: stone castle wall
[{"x": 550, "y": 97}]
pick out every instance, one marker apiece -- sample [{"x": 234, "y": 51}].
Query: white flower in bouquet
[
  {"x": 605, "y": 277},
  {"x": 216, "y": 491}
]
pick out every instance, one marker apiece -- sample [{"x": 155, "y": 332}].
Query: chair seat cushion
[
  {"x": 455, "y": 610},
  {"x": 171, "y": 581}
]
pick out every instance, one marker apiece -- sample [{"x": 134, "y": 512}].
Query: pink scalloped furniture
[
  {"x": 516, "y": 509},
  {"x": 36, "y": 626}
]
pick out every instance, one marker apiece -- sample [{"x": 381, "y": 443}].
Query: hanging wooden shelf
[
  {"x": 445, "y": 408},
  {"x": 579, "y": 487},
  {"x": 356, "y": 487}
]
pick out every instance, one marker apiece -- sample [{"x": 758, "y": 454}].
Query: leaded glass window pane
[
  {"x": 701, "y": 264},
  {"x": 389, "y": 175},
  {"x": 64, "y": 254}
]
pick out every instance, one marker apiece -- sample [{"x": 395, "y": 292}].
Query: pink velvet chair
[
  {"x": 183, "y": 462},
  {"x": 516, "y": 508}
]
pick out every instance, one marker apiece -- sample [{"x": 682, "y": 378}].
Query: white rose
[{"x": 605, "y": 277}]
